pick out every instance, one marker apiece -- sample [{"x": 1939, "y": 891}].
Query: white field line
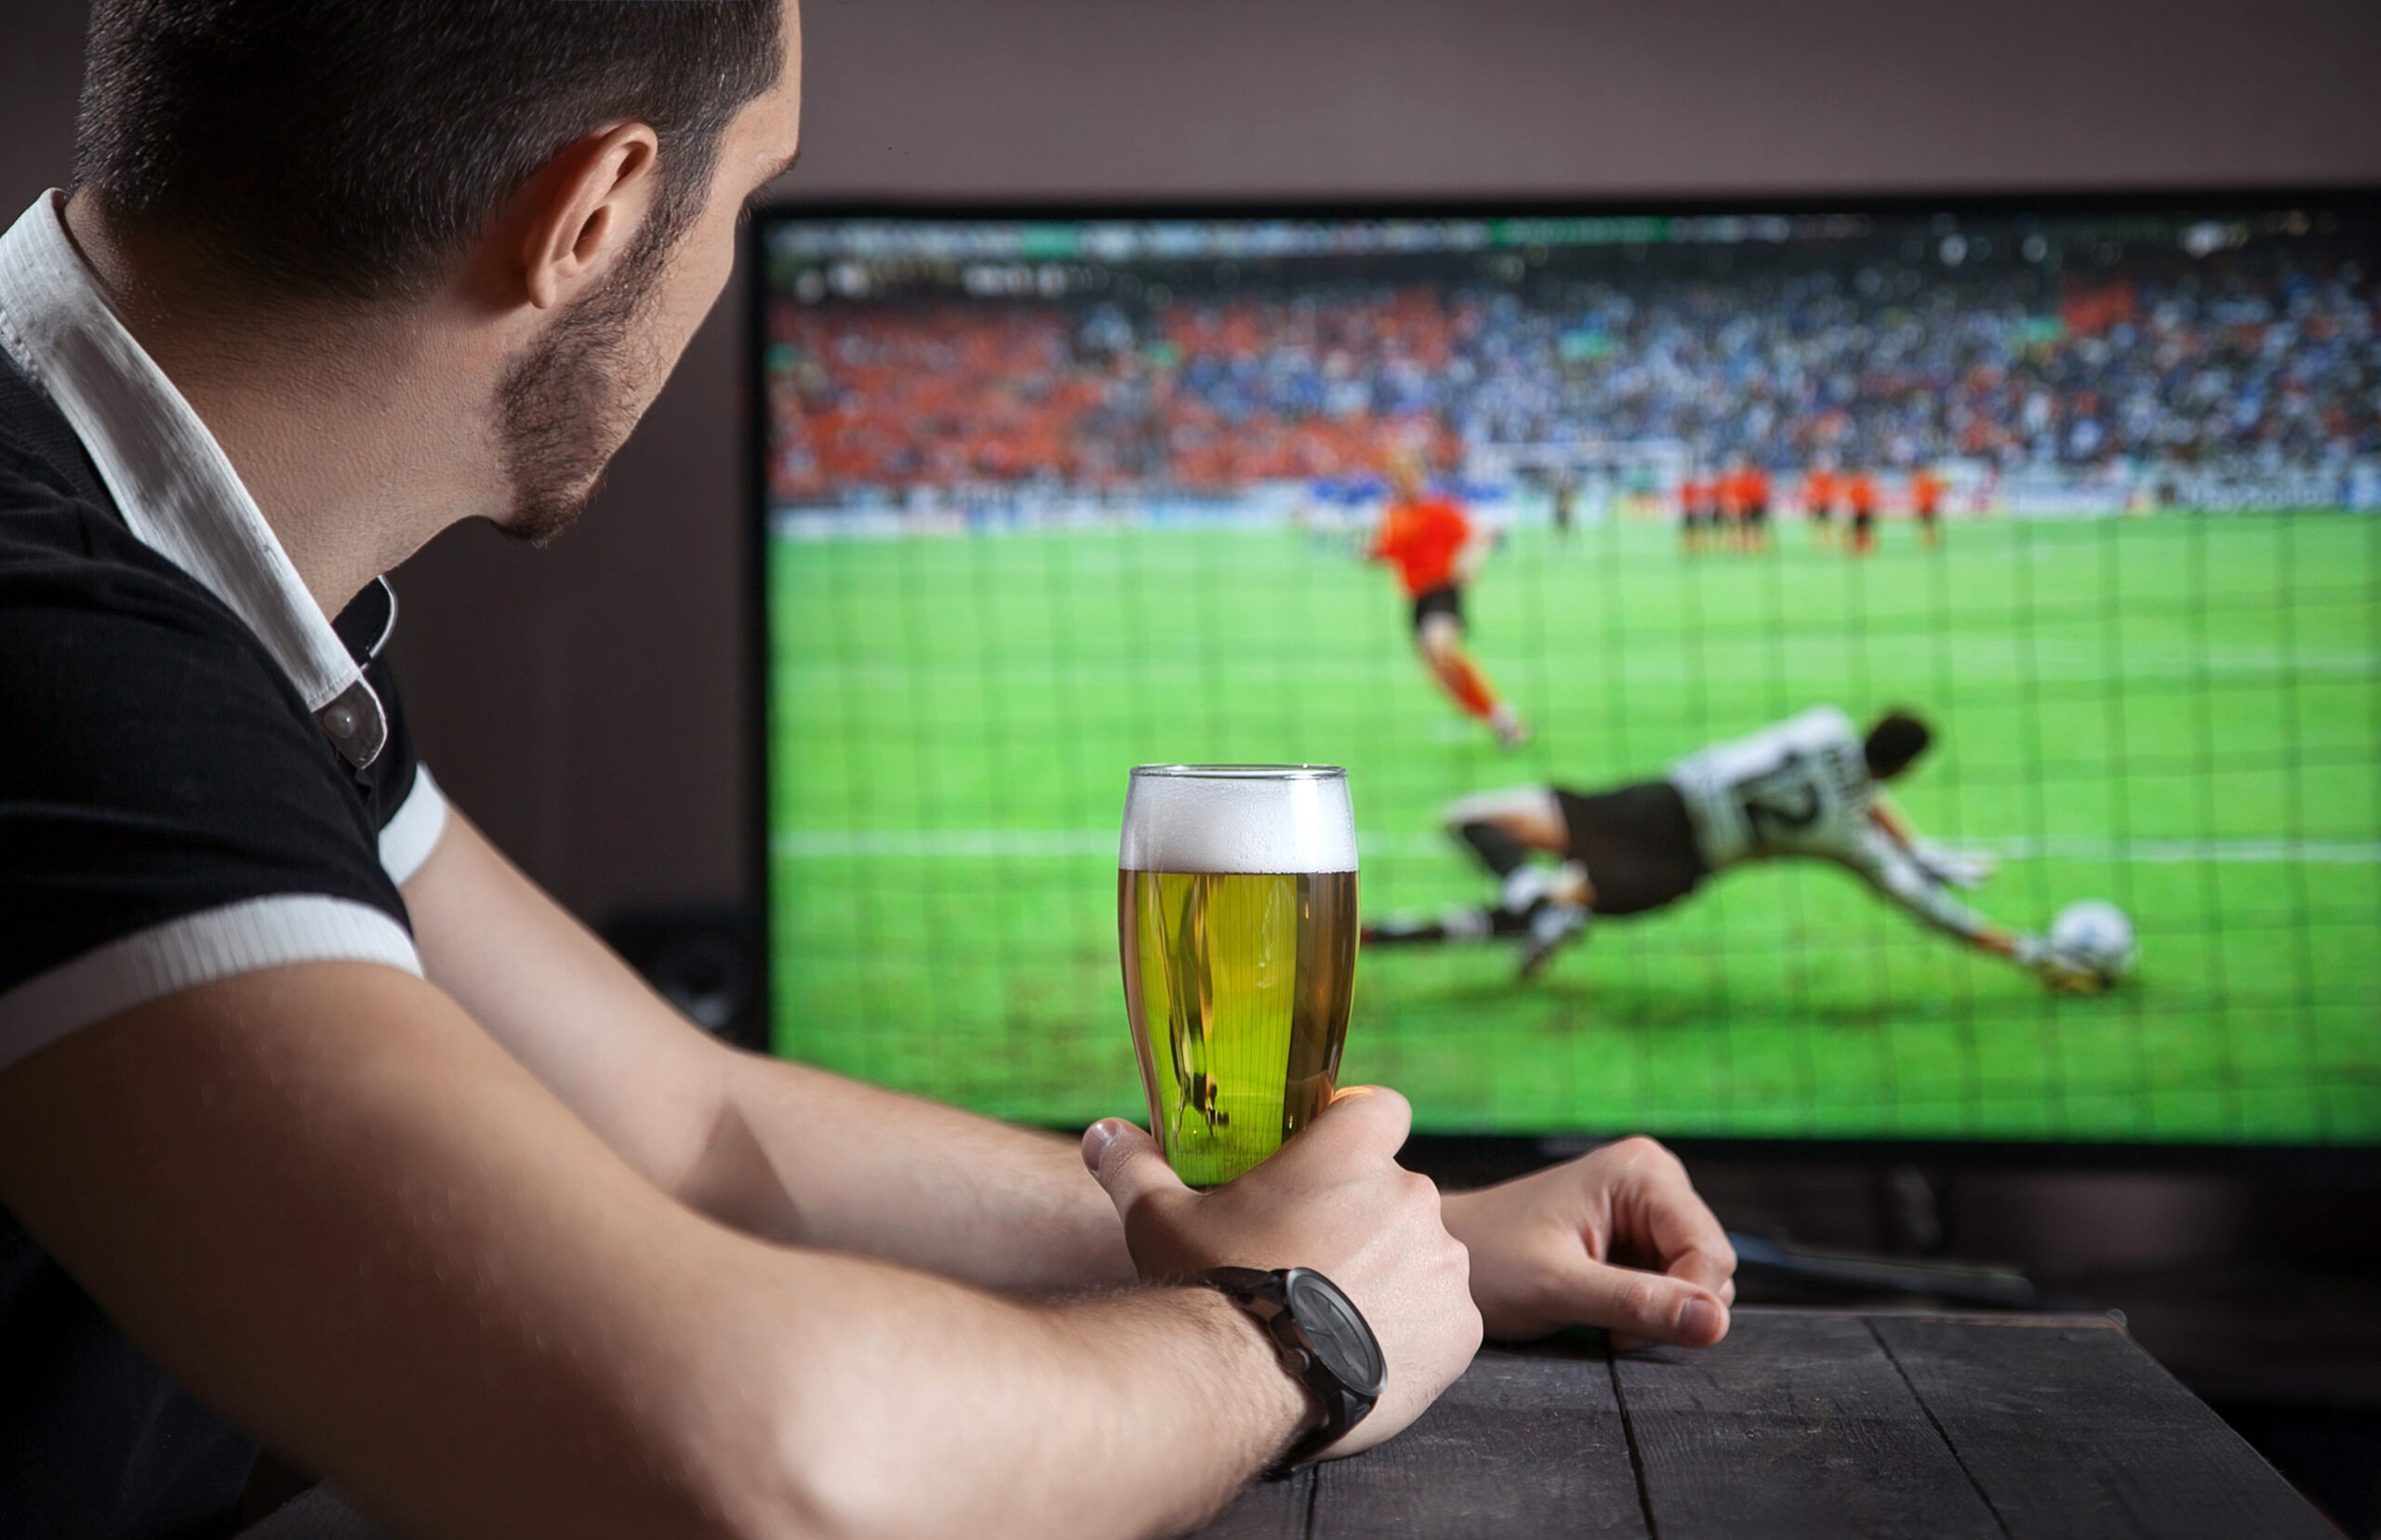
[
  {"x": 1969, "y": 663},
  {"x": 1003, "y": 844}
]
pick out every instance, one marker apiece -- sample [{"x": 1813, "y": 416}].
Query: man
[
  {"x": 1436, "y": 552},
  {"x": 1927, "y": 504},
  {"x": 1698, "y": 507},
  {"x": 1819, "y": 504},
  {"x": 1860, "y": 496},
  {"x": 321, "y": 1127},
  {"x": 1566, "y": 503},
  {"x": 1808, "y": 788},
  {"x": 1751, "y": 490}
]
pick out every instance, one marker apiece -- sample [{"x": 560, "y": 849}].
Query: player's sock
[
  {"x": 1460, "y": 923},
  {"x": 1471, "y": 691},
  {"x": 1525, "y": 890},
  {"x": 1511, "y": 731},
  {"x": 1399, "y": 933},
  {"x": 1497, "y": 850},
  {"x": 1466, "y": 923},
  {"x": 1551, "y": 927}
]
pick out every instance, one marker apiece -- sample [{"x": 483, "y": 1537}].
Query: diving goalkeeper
[{"x": 1808, "y": 786}]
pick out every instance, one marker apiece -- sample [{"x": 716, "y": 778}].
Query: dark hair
[
  {"x": 352, "y": 149},
  {"x": 1896, "y": 739}
]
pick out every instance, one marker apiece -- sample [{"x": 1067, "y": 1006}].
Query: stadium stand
[{"x": 2231, "y": 373}]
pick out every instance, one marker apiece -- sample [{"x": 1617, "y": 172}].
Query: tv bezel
[{"x": 1485, "y": 1154}]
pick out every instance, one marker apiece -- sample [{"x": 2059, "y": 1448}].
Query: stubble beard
[{"x": 566, "y": 404}]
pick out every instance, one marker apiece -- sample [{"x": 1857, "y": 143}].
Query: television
[{"x": 1044, "y": 493}]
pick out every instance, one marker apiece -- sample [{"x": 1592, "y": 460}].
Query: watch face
[{"x": 1336, "y": 1332}]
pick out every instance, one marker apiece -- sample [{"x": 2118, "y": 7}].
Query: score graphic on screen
[{"x": 1533, "y": 521}]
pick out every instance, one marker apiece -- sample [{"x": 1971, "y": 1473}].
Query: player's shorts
[
  {"x": 1637, "y": 844},
  {"x": 1927, "y": 514},
  {"x": 1757, "y": 513},
  {"x": 1446, "y": 599},
  {"x": 1822, "y": 513}
]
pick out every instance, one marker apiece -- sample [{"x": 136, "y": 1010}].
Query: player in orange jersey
[
  {"x": 1926, "y": 503},
  {"x": 1436, "y": 550},
  {"x": 1695, "y": 495},
  {"x": 1860, "y": 496},
  {"x": 1749, "y": 492},
  {"x": 1819, "y": 504},
  {"x": 1727, "y": 514}
]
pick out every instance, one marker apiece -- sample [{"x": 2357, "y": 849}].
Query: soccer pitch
[{"x": 2179, "y": 713}]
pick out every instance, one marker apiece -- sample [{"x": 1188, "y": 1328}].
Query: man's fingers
[
  {"x": 1700, "y": 1265},
  {"x": 1362, "y": 1120},
  {"x": 1659, "y": 1207},
  {"x": 1651, "y": 1307},
  {"x": 1127, "y": 1163}
]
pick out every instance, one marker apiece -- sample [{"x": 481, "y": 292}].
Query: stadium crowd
[{"x": 1889, "y": 366}]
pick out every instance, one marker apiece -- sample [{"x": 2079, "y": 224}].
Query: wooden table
[{"x": 1805, "y": 1423}]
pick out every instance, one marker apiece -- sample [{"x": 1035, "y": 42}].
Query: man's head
[
  {"x": 567, "y": 168},
  {"x": 1895, "y": 741}
]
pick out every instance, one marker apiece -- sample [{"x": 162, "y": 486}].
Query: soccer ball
[{"x": 2095, "y": 933}]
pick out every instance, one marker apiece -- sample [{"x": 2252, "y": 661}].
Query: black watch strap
[{"x": 1322, "y": 1340}]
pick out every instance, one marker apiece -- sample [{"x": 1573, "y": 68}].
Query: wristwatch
[{"x": 1322, "y": 1340}]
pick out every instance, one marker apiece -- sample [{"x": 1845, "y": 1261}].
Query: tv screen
[{"x": 1602, "y": 547}]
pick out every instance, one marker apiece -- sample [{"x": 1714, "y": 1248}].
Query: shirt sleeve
[
  {"x": 169, "y": 812},
  {"x": 1894, "y": 872},
  {"x": 413, "y": 830}
]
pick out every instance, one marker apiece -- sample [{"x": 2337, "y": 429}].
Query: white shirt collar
[{"x": 171, "y": 481}]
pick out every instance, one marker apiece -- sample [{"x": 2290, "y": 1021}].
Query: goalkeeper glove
[{"x": 2057, "y": 968}]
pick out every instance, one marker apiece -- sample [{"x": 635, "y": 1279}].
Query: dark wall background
[{"x": 584, "y": 703}]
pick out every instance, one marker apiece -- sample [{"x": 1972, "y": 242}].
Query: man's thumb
[
  {"x": 1127, "y": 1163},
  {"x": 1653, "y": 1306}
]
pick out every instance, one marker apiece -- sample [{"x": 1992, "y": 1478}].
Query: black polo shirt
[{"x": 173, "y": 809}]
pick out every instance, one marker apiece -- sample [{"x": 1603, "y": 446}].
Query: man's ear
[{"x": 578, "y": 217}]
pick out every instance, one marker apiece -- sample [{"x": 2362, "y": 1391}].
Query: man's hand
[
  {"x": 1616, "y": 1238},
  {"x": 2060, "y": 971},
  {"x": 1333, "y": 1199}
]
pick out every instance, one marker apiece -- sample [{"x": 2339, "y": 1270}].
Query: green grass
[{"x": 2180, "y": 714}]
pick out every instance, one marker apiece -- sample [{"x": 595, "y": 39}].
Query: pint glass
[{"x": 1236, "y": 915}]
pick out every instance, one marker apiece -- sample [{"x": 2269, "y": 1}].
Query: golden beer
[{"x": 1237, "y": 983}]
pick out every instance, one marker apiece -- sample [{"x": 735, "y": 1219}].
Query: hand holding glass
[{"x": 1236, "y": 915}]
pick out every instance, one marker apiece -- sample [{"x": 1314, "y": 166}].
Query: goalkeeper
[{"x": 1808, "y": 786}]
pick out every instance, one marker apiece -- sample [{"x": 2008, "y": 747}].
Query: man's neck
[{"x": 356, "y": 449}]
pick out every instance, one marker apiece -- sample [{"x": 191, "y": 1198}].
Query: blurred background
[{"x": 587, "y": 704}]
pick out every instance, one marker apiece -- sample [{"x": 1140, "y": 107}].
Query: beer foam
[{"x": 1237, "y": 818}]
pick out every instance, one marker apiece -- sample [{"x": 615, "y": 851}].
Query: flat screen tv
[{"x": 2090, "y": 487}]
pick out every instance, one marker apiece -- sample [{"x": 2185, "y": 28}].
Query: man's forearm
[
  {"x": 1899, "y": 878},
  {"x": 371, "y": 1239},
  {"x": 793, "y": 1154},
  {"x": 934, "y": 1411},
  {"x": 811, "y": 1157}
]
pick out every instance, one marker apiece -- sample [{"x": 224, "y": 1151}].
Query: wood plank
[
  {"x": 1795, "y": 1424},
  {"x": 1267, "y": 1510},
  {"x": 2077, "y": 1431},
  {"x": 1522, "y": 1446}
]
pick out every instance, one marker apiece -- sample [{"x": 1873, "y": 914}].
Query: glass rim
[{"x": 1241, "y": 772}]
